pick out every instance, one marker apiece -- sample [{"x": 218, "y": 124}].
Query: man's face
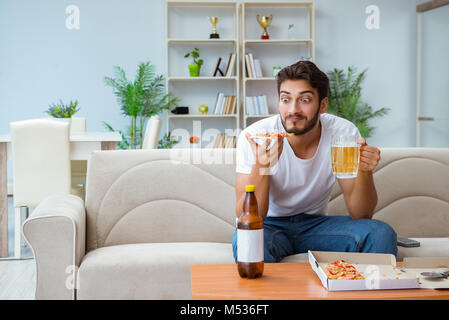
[{"x": 299, "y": 106}]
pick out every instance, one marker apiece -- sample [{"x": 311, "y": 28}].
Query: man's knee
[{"x": 380, "y": 237}]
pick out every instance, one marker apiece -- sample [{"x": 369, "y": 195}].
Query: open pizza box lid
[
  {"x": 417, "y": 265},
  {"x": 379, "y": 271}
]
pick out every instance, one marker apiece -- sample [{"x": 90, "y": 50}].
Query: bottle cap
[{"x": 250, "y": 188}]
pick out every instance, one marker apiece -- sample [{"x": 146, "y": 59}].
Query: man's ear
[{"x": 323, "y": 105}]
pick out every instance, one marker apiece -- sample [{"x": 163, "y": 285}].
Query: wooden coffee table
[{"x": 284, "y": 281}]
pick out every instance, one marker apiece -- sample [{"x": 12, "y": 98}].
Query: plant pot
[{"x": 194, "y": 70}]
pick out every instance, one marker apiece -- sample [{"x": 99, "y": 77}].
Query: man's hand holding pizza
[{"x": 265, "y": 157}]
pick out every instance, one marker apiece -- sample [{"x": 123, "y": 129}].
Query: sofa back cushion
[
  {"x": 160, "y": 195},
  {"x": 413, "y": 191},
  {"x": 174, "y": 195}
]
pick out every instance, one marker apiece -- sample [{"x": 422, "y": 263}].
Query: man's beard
[{"x": 308, "y": 125}]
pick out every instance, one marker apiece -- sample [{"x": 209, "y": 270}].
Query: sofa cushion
[
  {"x": 412, "y": 186},
  {"x": 430, "y": 247},
  {"x": 147, "y": 270},
  {"x": 160, "y": 195}
]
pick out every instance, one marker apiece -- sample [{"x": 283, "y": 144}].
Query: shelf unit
[
  {"x": 282, "y": 49},
  {"x": 188, "y": 27}
]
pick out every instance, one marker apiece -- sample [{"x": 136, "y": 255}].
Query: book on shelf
[
  {"x": 224, "y": 141},
  {"x": 219, "y": 102},
  {"x": 249, "y": 71},
  {"x": 258, "y": 68},
  {"x": 251, "y": 61},
  {"x": 225, "y": 104},
  {"x": 230, "y": 67},
  {"x": 256, "y": 105},
  {"x": 253, "y": 66}
]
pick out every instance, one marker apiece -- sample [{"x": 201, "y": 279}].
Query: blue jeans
[{"x": 284, "y": 236}]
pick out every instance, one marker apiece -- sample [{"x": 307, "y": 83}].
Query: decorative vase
[{"x": 194, "y": 70}]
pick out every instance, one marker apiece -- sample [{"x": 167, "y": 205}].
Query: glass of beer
[{"x": 345, "y": 156}]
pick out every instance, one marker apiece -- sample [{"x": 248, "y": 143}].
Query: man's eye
[
  {"x": 306, "y": 100},
  {"x": 284, "y": 99}
]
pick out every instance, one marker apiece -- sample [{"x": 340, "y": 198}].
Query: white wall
[{"x": 41, "y": 61}]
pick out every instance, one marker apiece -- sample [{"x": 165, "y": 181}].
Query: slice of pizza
[
  {"x": 271, "y": 135},
  {"x": 341, "y": 270}
]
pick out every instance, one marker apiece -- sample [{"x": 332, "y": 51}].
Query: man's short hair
[{"x": 305, "y": 70}]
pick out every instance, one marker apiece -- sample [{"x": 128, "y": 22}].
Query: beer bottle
[{"x": 250, "y": 238}]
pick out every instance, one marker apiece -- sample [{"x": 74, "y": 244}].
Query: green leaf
[
  {"x": 138, "y": 99},
  {"x": 345, "y": 99}
]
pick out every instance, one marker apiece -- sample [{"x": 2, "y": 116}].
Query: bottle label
[{"x": 250, "y": 245}]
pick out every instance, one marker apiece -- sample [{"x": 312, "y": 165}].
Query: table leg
[
  {"x": 109, "y": 145},
  {"x": 3, "y": 203}
]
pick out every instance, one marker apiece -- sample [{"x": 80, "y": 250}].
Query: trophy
[
  {"x": 214, "y": 34},
  {"x": 264, "y": 22}
]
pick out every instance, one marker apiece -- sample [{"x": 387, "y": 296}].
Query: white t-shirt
[{"x": 297, "y": 185}]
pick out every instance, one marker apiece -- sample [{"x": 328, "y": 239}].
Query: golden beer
[{"x": 345, "y": 156}]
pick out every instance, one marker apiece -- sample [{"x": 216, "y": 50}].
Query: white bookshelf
[
  {"x": 188, "y": 27},
  {"x": 282, "y": 49}
]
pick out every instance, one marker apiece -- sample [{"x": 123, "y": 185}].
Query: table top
[
  {"x": 81, "y": 137},
  {"x": 285, "y": 281}
]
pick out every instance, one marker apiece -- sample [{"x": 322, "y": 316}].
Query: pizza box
[
  {"x": 379, "y": 270},
  {"x": 417, "y": 265}
]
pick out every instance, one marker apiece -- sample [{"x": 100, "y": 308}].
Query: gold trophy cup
[
  {"x": 264, "y": 22},
  {"x": 214, "y": 34}
]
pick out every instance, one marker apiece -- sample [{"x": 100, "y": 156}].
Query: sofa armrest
[{"x": 56, "y": 232}]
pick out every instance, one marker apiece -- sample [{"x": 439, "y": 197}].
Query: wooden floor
[{"x": 17, "y": 277}]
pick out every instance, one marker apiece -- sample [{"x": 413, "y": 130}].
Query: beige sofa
[{"x": 150, "y": 214}]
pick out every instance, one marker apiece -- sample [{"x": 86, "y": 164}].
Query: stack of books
[
  {"x": 256, "y": 105},
  {"x": 224, "y": 141},
  {"x": 225, "y": 104},
  {"x": 252, "y": 66}
]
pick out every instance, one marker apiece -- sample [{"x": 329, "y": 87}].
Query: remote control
[{"x": 406, "y": 242}]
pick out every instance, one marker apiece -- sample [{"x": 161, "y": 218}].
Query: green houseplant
[
  {"x": 167, "y": 141},
  {"x": 139, "y": 100},
  {"x": 61, "y": 110},
  {"x": 195, "y": 67},
  {"x": 345, "y": 100}
]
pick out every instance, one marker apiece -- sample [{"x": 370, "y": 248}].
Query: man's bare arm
[
  {"x": 360, "y": 193},
  {"x": 262, "y": 184},
  {"x": 259, "y": 176}
]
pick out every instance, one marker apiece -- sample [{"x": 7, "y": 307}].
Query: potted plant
[
  {"x": 63, "y": 112},
  {"x": 194, "y": 69},
  {"x": 60, "y": 110},
  {"x": 139, "y": 100},
  {"x": 345, "y": 100},
  {"x": 167, "y": 141}
]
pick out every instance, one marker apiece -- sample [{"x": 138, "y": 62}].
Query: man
[{"x": 294, "y": 179}]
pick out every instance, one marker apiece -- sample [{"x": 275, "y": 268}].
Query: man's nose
[{"x": 295, "y": 107}]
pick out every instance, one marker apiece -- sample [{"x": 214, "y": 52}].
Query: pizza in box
[{"x": 342, "y": 270}]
